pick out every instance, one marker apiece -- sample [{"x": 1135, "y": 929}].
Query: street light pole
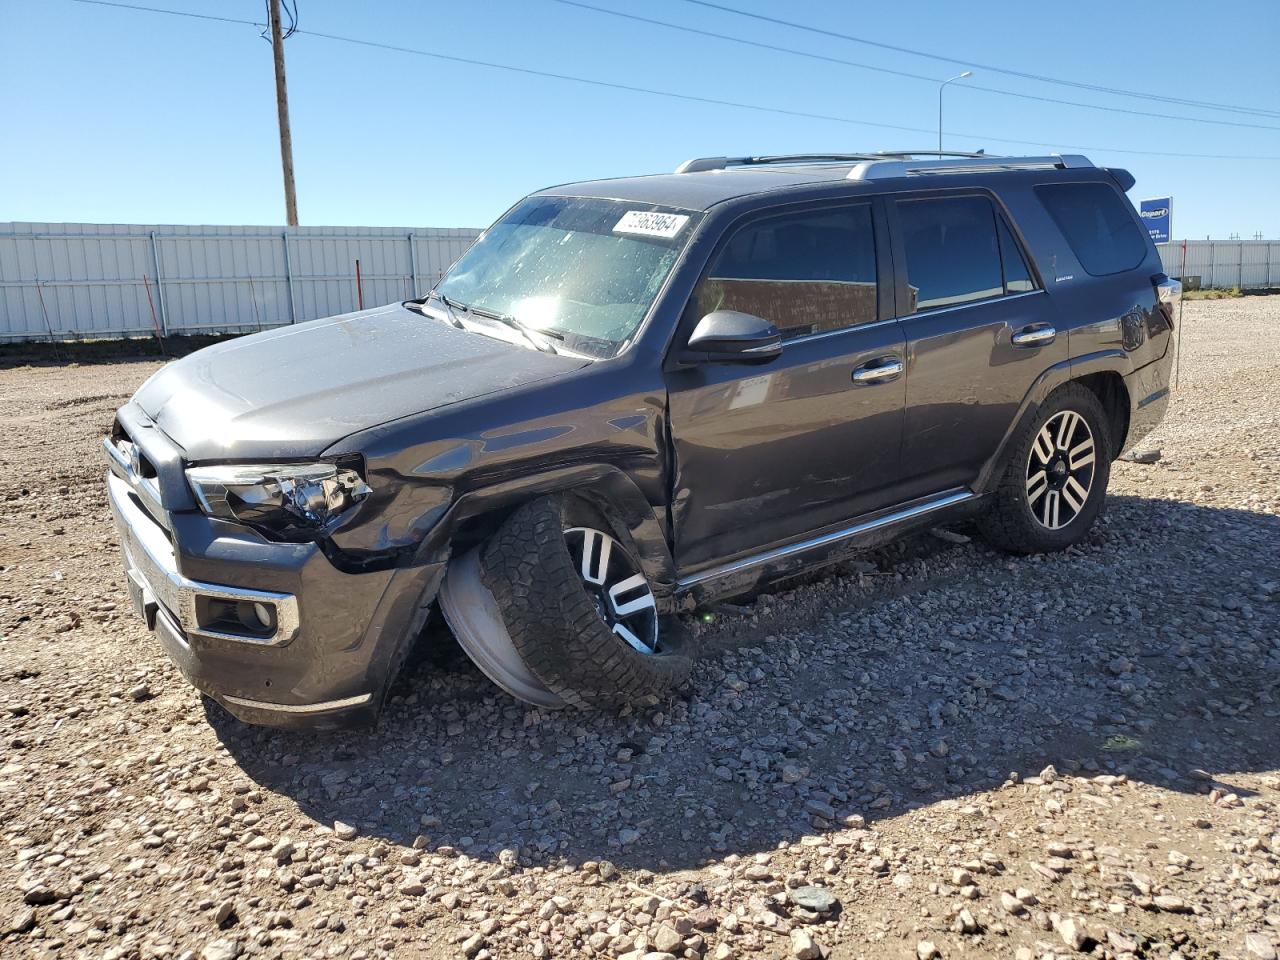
[{"x": 942, "y": 86}]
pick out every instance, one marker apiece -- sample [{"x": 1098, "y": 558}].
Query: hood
[{"x": 294, "y": 391}]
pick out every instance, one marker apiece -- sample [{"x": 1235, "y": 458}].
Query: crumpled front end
[{"x": 274, "y": 632}]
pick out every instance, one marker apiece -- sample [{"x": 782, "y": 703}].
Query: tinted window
[
  {"x": 953, "y": 255},
  {"x": 1017, "y": 278},
  {"x": 805, "y": 273},
  {"x": 1097, "y": 223}
]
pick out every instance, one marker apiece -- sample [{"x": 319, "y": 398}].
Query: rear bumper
[
  {"x": 338, "y": 636},
  {"x": 1148, "y": 389}
]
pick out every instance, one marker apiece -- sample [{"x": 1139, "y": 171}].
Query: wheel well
[
  {"x": 1114, "y": 396},
  {"x": 474, "y": 530}
]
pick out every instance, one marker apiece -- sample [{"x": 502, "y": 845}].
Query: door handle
[
  {"x": 880, "y": 370},
  {"x": 1035, "y": 336}
]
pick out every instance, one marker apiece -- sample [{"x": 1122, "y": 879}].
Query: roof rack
[{"x": 884, "y": 165}]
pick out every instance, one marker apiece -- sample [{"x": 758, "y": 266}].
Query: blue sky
[{"x": 112, "y": 115}]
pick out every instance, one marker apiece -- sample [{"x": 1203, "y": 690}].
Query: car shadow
[{"x": 924, "y": 672}]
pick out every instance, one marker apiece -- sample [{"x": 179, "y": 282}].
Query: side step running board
[{"x": 920, "y": 508}]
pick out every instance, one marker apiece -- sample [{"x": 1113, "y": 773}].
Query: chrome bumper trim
[
  {"x": 152, "y": 566},
  {"x": 124, "y": 468},
  {"x": 324, "y": 706}
]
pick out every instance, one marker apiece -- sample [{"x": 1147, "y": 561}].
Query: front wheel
[
  {"x": 578, "y": 607},
  {"x": 1055, "y": 479}
]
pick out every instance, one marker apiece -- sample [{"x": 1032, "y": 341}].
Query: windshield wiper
[
  {"x": 515, "y": 323},
  {"x": 528, "y": 332},
  {"x": 449, "y": 306},
  {"x": 453, "y": 307}
]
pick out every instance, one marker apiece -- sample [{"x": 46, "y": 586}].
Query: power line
[
  {"x": 609, "y": 84},
  {"x": 752, "y": 106},
  {"x": 900, "y": 73},
  {"x": 691, "y": 98},
  {"x": 174, "y": 13},
  {"x": 290, "y": 10},
  {"x": 809, "y": 28}
]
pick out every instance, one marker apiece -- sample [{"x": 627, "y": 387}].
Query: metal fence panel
[
  {"x": 1255, "y": 259},
  {"x": 109, "y": 280},
  {"x": 1247, "y": 264},
  {"x": 90, "y": 280}
]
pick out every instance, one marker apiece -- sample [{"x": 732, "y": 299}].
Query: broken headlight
[{"x": 287, "y": 501}]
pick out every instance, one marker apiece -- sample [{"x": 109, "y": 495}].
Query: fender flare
[
  {"x": 1103, "y": 361},
  {"x": 608, "y": 486}
]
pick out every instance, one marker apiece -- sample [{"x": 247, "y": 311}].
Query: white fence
[
  {"x": 81, "y": 280},
  {"x": 1247, "y": 264}
]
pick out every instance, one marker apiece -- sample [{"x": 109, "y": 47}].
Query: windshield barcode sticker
[{"x": 665, "y": 225}]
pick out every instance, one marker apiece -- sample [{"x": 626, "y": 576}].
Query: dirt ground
[{"x": 967, "y": 754}]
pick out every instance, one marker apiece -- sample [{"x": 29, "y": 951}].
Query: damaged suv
[{"x": 631, "y": 396}]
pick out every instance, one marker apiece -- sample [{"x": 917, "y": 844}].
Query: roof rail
[
  {"x": 720, "y": 163},
  {"x": 888, "y": 167},
  {"x": 882, "y": 165},
  {"x": 891, "y": 154}
]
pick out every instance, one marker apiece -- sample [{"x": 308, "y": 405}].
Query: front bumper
[
  {"x": 156, "y": 585},
  {"x": 337, "y": 636}
]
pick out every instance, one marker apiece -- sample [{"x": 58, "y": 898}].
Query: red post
[{"x": 359, "y": 290}]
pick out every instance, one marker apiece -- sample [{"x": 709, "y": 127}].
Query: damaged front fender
[{"x": 452, "y": 475}]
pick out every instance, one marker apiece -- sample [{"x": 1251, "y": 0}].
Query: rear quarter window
[{"x": 1098, "y": 224}]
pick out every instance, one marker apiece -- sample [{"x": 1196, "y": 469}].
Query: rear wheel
[
  {"x": 578, "y": 607},
  {"x": 1055, "y": 479}
]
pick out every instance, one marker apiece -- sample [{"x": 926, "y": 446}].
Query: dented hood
[{"x": 292, "y": 392}]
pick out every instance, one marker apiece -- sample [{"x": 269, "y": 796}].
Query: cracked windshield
[{"x": 586, "y": 271}]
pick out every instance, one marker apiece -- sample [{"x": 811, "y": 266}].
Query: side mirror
[{"x": 727, "y": 336}]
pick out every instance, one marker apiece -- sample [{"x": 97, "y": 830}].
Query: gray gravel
[{"x": 934, "y": 751}]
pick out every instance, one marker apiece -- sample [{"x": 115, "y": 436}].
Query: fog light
[
  {"x": 256, "y": 615},
  {"x": 252, "y": 620}
]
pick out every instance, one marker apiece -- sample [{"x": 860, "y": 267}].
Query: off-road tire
[
  {"x": 1008, "y": 523},
  {"x": 552, "y": 621}
]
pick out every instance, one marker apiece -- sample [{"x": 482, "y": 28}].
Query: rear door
[
  {"x": 769, "y": 453},
  {"x": 979, "y": 330}
]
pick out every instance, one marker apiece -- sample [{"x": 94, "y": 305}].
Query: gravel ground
[{"x": 937, "y": 750}]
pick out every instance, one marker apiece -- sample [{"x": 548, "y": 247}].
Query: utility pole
[{"x": 282, "y": 113}]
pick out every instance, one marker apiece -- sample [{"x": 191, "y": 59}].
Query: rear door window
[
  {"x": 952, "y": 251},
  {"x": 1017, "y": 277},
  {"x": 1098, "y": 223},
  {"x": 806, "y": 273}
]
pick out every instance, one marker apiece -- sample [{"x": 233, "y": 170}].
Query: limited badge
[{"x": 647, "y": 224}]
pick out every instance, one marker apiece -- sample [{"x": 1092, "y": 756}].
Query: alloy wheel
[
  {"x": 616, "y": 585},
  {"x": 1060, "y": 470}
]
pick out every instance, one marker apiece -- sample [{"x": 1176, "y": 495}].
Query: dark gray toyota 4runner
[{"x": 633, "y": 395}]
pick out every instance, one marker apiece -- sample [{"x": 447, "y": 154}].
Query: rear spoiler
[{"x": 1122, "y": 177}]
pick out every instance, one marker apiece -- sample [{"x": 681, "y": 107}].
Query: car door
[
  {"x": 979, "y": 330},
  {"x": 767, "y": 453}
]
